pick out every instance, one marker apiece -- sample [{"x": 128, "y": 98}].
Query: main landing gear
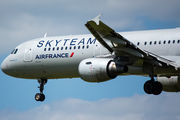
[
  {"x": 40, "y": 96},
  {"x": 153, "y": 87}
]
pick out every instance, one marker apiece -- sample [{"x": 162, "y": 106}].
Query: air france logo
[{"x": 52, "y": 56}]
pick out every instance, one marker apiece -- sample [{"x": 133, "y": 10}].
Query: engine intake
[{"x": 100, "y": 69}]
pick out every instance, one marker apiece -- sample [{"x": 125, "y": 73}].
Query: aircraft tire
[
  {"x": 158, "y": 89},
  {"x": 42, "y": 97},
  {"x": 149, "y": 87},
  {"x": 39, "y": 97}
]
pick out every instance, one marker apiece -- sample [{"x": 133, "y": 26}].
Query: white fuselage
[{"x": 59, "y": 57}]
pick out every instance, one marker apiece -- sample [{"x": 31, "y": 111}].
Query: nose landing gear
[{"x": 40, "y": 96}]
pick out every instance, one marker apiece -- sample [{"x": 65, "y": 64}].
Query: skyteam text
[{"x": 65, "y": 42}]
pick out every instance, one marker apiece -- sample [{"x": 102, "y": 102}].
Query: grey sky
[{"x": 22, "y": 20}]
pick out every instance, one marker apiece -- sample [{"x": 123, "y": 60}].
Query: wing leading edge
[{"x": 119, "y": 45}]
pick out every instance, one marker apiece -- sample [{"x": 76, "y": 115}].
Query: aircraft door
[{"x": 28, "y": 52}]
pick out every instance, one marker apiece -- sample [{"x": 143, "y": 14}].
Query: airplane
[{"x": 100, "y": 56}]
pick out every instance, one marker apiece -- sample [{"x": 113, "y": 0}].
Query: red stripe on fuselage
[{"x": 72, "y": 54}]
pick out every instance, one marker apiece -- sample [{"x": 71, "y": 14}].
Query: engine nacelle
[
  {"x": 171, "y": 84},
  {"x": 100, "y": 69}
]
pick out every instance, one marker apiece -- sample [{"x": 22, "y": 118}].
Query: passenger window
[
  {"x": 155, "y": 42},
  {"x": 70, "y": 48},
  {"x": 164, "y": 42},
  {"x": 82, "y": 47},
  {"x": 145, "y": 43},
  {"x": 178, "y": 41},
  {"x": 57, "y": 48},
  {"x": 87, "y": 46},
  {"x": 44, "y": 49},
  {"x": 78, "y": 47},
  {"x": 74, "y": 47},
  {"x": 138, "y": 43},
  {"x": 159, "y": 42},
  {"x": 65, "y": 48},
  {"x": 173, "y": 41},
  {"x": 49, "y": 49},
  {"x": 169, "y": 42},
  {"x": 61, "y": 48},
  {"x": 150, "y": 42},
  {"x": 53, "y": 48}
]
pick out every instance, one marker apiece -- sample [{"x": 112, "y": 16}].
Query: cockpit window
[{"x": 14, "y": 51}]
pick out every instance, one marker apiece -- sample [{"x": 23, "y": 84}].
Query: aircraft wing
[{"x": 119, "y": 45}]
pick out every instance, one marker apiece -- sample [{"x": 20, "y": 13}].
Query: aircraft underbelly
[{"x": 46, "y": 72}]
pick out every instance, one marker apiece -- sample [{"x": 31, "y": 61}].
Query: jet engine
[
  {"x": 100, "y": 69},
  {"x": 171, "y": 84}
]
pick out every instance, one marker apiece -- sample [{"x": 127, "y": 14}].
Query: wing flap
[{"x": 163, "y": 60}]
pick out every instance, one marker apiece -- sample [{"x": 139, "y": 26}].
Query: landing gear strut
[{"x": 40, "y": 96}]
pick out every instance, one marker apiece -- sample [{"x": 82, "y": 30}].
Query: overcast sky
[{"x": 121, "y": 98}]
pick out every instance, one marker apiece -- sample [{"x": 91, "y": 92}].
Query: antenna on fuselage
[{"x": 45, "y": 34}]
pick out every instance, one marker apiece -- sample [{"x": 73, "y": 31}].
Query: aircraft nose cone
[
  {"x": 4, "y": 67},
  {"x": 8, "y": 67}
]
